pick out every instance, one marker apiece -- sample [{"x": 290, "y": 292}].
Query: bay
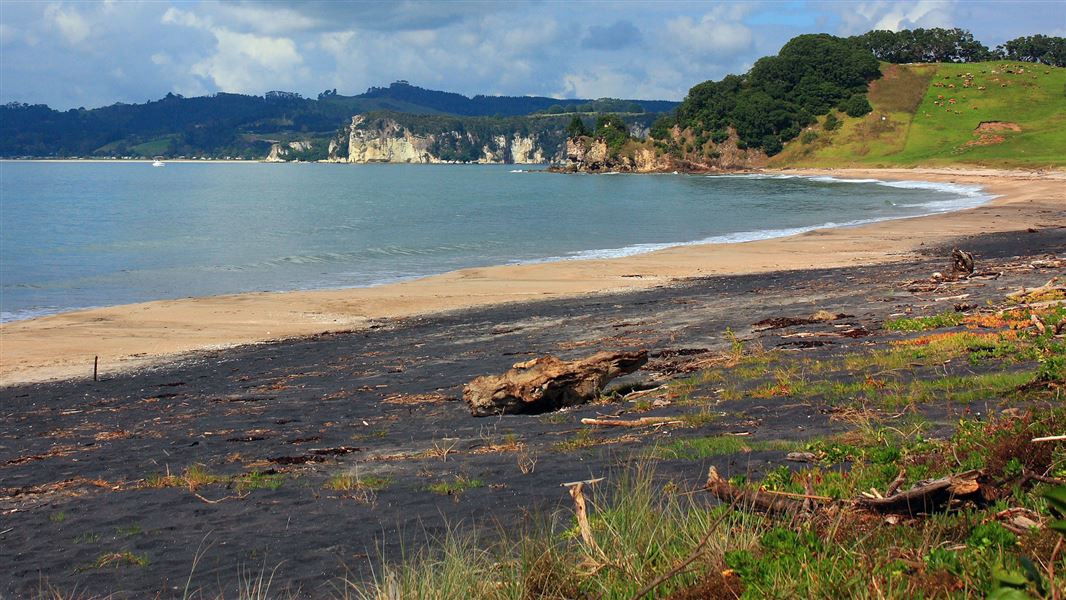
[{"x": 85, "y": 234}]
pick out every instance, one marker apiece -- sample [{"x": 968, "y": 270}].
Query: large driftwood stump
[
  {"x": 548, "y": 383},
  {"x": 961, "y": 263}
]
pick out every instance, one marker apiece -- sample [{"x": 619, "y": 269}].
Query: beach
[
  {"x": 136, "y": 335},
  {"x": 200, "y": 471}
]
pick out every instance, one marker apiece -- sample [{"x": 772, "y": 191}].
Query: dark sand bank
[{"x": 74, "y": 455}]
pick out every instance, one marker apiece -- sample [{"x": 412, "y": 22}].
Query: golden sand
[{"x": 134, "y": 335}]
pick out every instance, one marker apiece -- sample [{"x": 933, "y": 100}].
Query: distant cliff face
[
  {"x": 385, "y": 139},
  {"x": 592, "y": 155},
  {"x": 283, "y": 152}
]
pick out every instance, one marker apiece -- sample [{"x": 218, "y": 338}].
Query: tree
[
  {"x": 613, "y": 130},
  {"x": 576, "y": 128},
  {"x": 924, "y": 45},
  {"x": 856, "y": 106},
  {"x": 1036, "y": 48}
]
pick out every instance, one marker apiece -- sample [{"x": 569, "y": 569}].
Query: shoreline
[{"x": 126, "y": 337}]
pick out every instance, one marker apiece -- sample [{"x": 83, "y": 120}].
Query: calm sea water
[{"x": 76, "y": 235}]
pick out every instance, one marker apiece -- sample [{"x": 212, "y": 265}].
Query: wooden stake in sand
[
  {"x": 96, "y": 363},
  {"x": 577, "y": 492}
]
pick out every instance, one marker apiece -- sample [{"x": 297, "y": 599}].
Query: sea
[{"x": 86, "y": 234}]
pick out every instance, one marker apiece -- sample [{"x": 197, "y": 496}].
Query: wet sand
[{"x": 130, "y": 336}]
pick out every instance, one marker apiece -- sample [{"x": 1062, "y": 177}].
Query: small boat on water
[{"x": 159, "y": 163}]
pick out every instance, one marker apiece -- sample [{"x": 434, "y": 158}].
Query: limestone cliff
[
  {"x": 284, "y": 152},
  {"x": 592, "y": 155},
  {"x": 426, "y": 140}
]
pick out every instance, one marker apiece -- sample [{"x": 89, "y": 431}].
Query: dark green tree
[
  {"x": 1042, "y": 49},
  {"x": 576, "y": 128}
]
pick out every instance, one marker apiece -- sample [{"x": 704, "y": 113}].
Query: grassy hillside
[{"x": 1000, "y": 113}]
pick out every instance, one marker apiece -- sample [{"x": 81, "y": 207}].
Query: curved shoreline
[{"x": 130, "y": 336}]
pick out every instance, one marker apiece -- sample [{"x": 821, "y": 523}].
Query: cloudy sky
[{"x": 69, "y": 54}]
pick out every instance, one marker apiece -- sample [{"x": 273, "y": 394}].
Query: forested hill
[{"x": 236, "y": 125}]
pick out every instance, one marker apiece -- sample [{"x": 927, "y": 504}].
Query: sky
[{"x": 88, "y": 54}]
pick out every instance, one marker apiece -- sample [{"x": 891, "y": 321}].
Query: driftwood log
[
  {"x": 961, "y": 263},
  {"x": 548, "y": 383},
  {"x": 927, "y": 496},
  {"x": 924, "y": 497},
  {"x": 641, "y": 422}
]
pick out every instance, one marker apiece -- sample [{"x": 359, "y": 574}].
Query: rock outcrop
[
  {"x": 548, "y": 383},
  {"x": 385, "y": 139},
  {"x": 283, "y": 152},
  {"x": 592, "y": 155}
]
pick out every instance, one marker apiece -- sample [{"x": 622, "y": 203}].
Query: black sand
[{"x": 73, "y": 454}]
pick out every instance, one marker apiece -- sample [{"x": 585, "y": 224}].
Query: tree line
[{"x": 958, "y": 45}]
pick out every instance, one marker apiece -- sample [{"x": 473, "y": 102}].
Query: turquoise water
[{"x": 76, "y": 235}]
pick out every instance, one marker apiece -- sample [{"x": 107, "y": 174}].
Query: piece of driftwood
[
  {"x": 927, "y": 496},
  {"x": 641, "y": 422},
  {"x": 752, "y": 499},
  {"x": 961, "y": 263},
  {"x": 924, "y": 497},
  {"x": 1024, "y": 293},
  {"x": 548, "y": 383}
]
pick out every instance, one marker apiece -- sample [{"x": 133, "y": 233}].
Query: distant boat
[{"x": 159, "y": 163}]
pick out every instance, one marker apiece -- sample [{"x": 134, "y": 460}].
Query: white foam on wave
[
  {"x": 965, "y": 196},
  {"x": 7, "y": 316}
]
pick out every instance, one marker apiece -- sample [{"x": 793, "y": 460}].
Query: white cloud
[
  {"x": 270, "y": 20},
  {"x": 711, "y": 34},
  {"x": 242, "y": 62},
  {"x": 245, "y": 62},
  {"x": 71, "y": 25},
  {"x": 175, "y": 16},
  {"x": 894, "y": 16}
]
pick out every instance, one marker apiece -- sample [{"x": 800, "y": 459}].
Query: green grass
[
  {"x": 706, "y": 447},
  {"x": 947, "y": 319},
  {"x": 908, "y": 129},
  {"x": 114, "y": 560},
  {"x": 255, "y": 480},
  {"x": 457, "y": 485},
  {"x": 347, "y": 482},
  {"x": 151, "y": 148},
  {"x": 641, "y": 529},
  {"x": 130, "y": 530},
  {"x": 58, "y": 516}
]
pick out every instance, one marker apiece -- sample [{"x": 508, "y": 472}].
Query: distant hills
[{"x": 237, "y": 125}]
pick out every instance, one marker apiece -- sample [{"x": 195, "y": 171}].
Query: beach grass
[{"x": 642, "y": 529}]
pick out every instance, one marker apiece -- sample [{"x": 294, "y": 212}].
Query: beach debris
[
  {"x": 821, "y": 316},
  {"x": 961, "y": 263},
  {"x": 641, "y": 422},
  {"x": 548, "y": 383},
  {"x": 1047, "y": 292},
  {"x": 923, "y": 498}
]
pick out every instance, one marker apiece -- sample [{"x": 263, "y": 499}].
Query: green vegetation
[
  {"x": 347, "y": 482},
  {"x": 939, "y": 45},
  {"x": 457, "y": 485},
  {"x": 114, "y": 560},
  {"x": 781, "y": 94},
  {"x": 707, "y": 447},
  {"x": 991, "y": 113},
  {"x": 242, "y": 126},
  {"x": 197, "y": 476},
  {"x": 948, "y": 319},
  {"x": 642, "y": 530},
  {"x": 933, "y": 45}
]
